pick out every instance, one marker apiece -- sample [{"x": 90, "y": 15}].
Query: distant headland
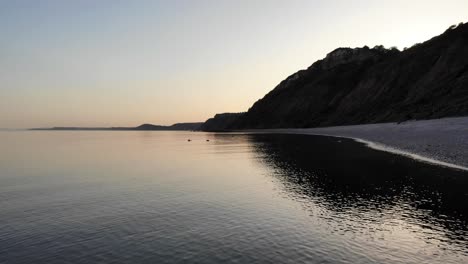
[{"x": 174, "y": 127}]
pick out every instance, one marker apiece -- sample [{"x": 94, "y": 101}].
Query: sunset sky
[{"x": 123, "y": 63}]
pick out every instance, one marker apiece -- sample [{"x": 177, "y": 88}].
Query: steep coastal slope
[{"x": 363, "y": 85}]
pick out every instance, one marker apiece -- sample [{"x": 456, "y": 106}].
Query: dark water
[{"x": 153, "y": 197}]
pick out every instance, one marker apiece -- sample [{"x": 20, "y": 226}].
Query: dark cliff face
[
  {"x": 356, "y": 86},
  {"x": 186, "y": 126},
  {"x": 221, "y": 122}
]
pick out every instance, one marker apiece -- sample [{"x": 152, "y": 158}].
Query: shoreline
[
  {"x": 442, "y": 142},
  {"x": 414, "y": 156}
]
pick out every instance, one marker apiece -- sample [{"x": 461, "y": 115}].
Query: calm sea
[{"x": 154, "y": 197}]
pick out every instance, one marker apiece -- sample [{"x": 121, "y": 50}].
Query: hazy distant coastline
[{"x": 174, "y": 127}]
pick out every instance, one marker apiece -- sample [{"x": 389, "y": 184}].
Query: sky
[{"x": 124, "y": 63}]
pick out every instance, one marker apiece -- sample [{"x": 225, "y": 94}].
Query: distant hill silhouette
[
  {"x": 174, "y": 127},
  {"x": 367, "y": 85},
  {"x": 177, "y": 126}
]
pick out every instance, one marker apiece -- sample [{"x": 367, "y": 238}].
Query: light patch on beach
[
  {"x": 381, "y": 147},
  {"x": 442, "y": 142}
]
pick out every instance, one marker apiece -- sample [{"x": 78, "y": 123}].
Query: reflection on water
[
  {"x": 359, "y": 191},
  {"x": 153, "y": 197},
  {"x": 364, "y": 190}
]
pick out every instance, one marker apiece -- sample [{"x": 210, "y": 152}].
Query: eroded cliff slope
[{"x": 363, "y": 85}]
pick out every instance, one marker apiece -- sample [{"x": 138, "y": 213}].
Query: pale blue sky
[{"x": 122, "y": 63}]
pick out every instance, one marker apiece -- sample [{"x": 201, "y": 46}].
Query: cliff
[
  {"x": 220, "y": 122},
  {"x": 363, "y": 85}
]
